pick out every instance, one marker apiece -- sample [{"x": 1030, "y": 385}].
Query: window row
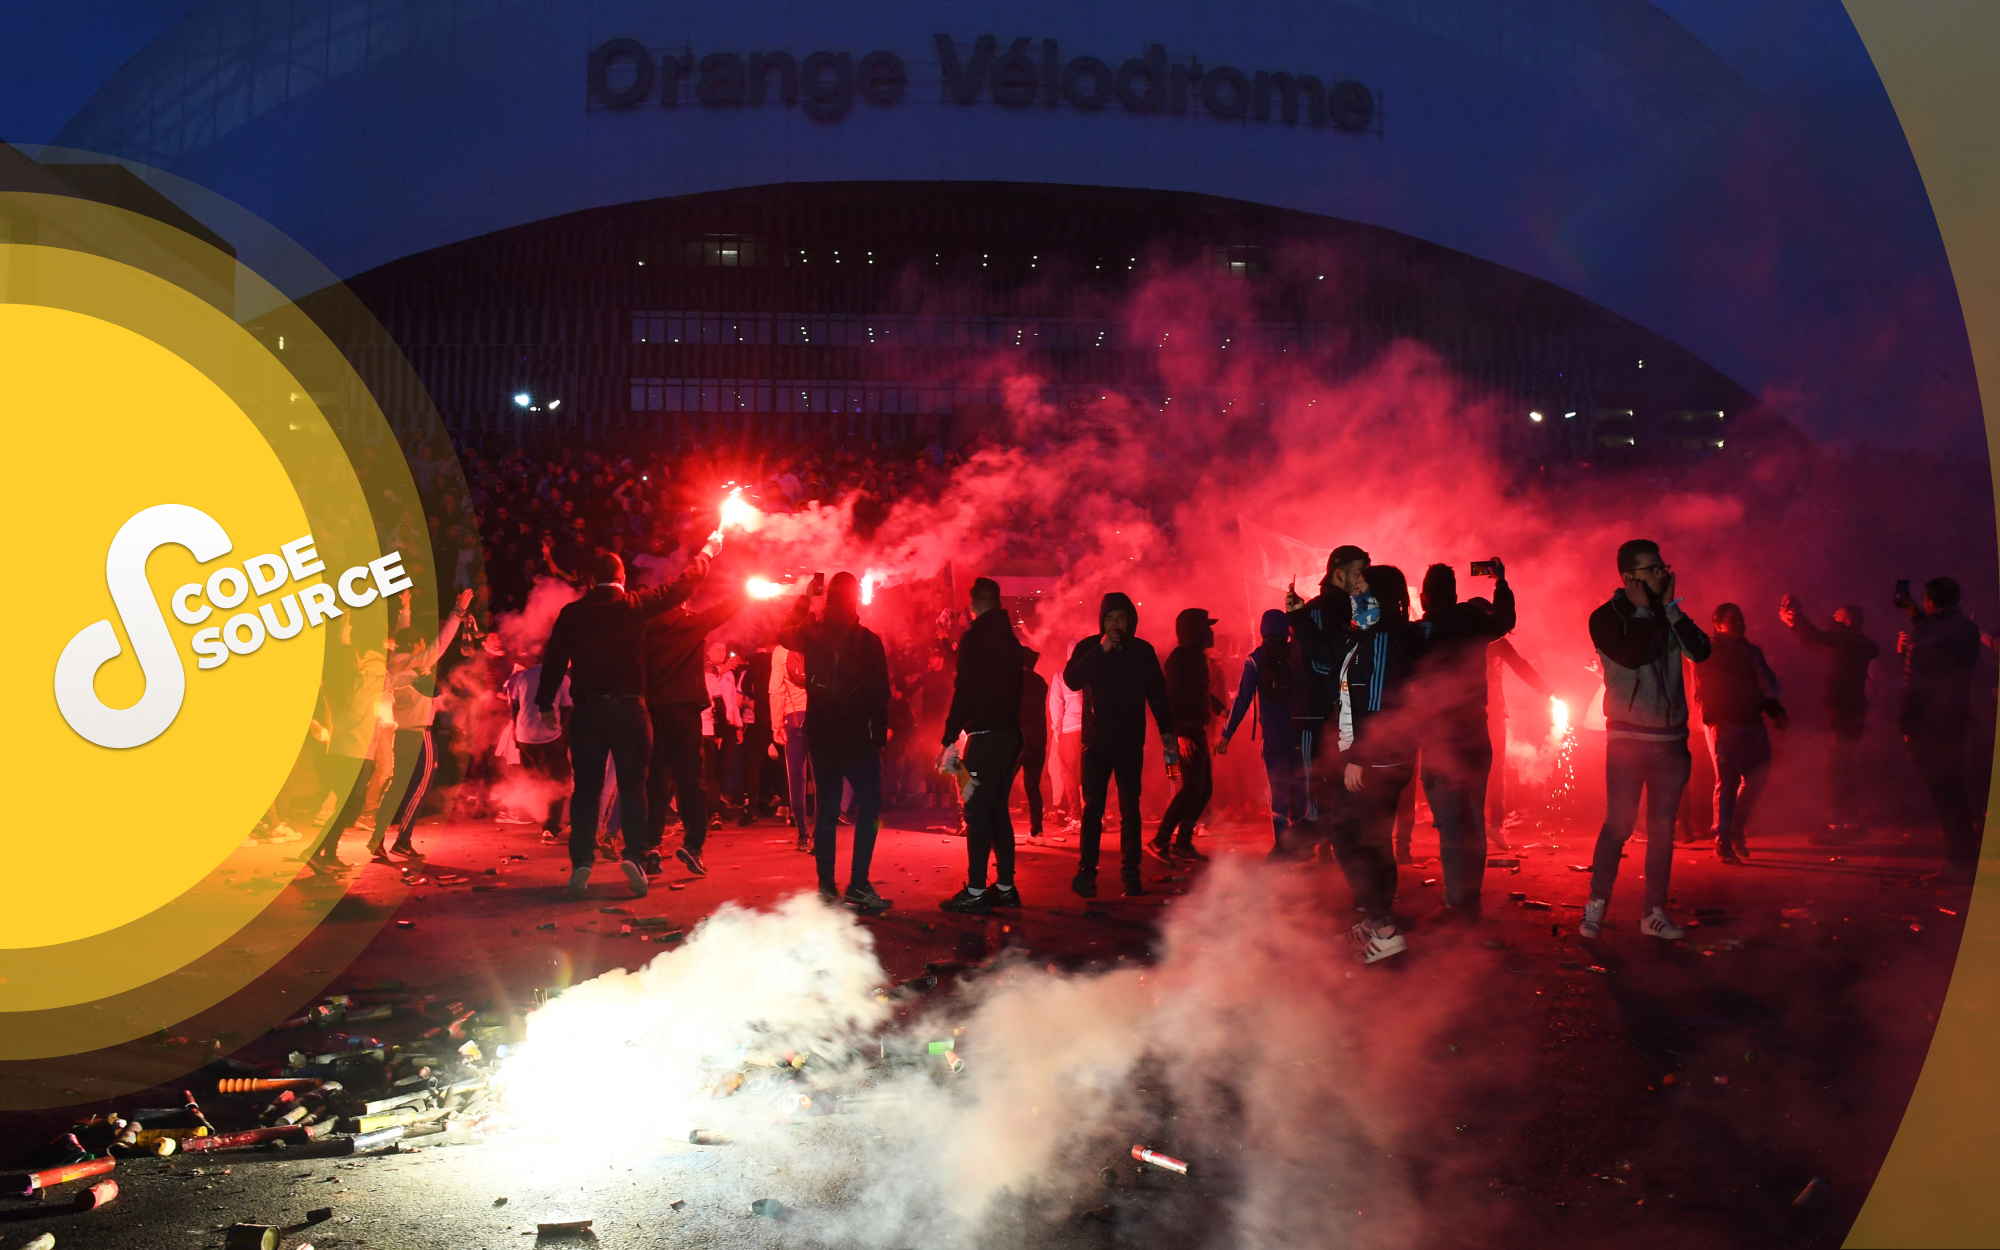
[{"x": 1028, "y": 333}]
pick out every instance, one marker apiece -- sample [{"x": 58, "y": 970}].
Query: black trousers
[
  {"x": 613, "y": 727},
  {"x": 1940, "y": 758},
  {"x": 756, "y": 756},
  {"x": 1034, "y": 762},
  {"x": 416, "y": 760},
  {"x": 674, "y": 770},
  {"x": 1126, "y": 762},
  {"x": 328, "y": 845},
  {"x": 1191, "y": 800},
  {"x": 1363, "y": 839},
  {"x": 989, "y": 830}
]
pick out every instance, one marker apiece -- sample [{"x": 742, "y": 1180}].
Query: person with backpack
[{"x": 1268, "y": 682}]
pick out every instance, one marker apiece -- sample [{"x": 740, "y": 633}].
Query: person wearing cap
[
  {"x": 1321, "y": 633},
  {"x": 1193, "y": 704},
  {"x": 986, "y": 708},
  {"x": 1268, "y": 680},
  {"x": 1119, "y": 677},
  {"x": 847, "y": 725},
  {"x": 599, "y": 641}
]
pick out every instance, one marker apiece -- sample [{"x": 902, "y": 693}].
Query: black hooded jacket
[
  {"x": 1119, "y": 686},
  {"x": 847, "y": 683},
  {"x": 1321, "y": 633},
  {"x": 1451, "y": 683},
  {"x": 986, "y": 693}
]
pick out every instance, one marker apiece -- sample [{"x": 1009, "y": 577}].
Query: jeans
[
  {"x": 617, "y": 728},
  {"x": 864, "y": 774},
  {"x": 1100, "y": 765},
  {"x": 1455, "y": 776},
  {"x": 1363, "y": 834},
  {"x": 1288, "y": 789},
  {"x": 797, "y": 752},
  {"x": 674, "y": 767},
  {"x": 1191, "y": 800},
  {"x": 1034, "y": 760},
  {"x": 416, "y": 759},
  {"x": 1940, "y": 757},
  {"x": 1742, "y": 767},
  {"x": 991, "y": 758},
  {"x": 1661, "y": 769}
]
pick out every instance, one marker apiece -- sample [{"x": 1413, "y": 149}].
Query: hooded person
[
  {"x": 1119, "y": 676},
  {"x": 1457, "y": 742},
  {"x": 846, "y": 724},
  {"x": 1193, "y": 704},
  {"x": 986, "y": 709},
  {"x": 1321, "y": 634},
  {"x": 1268, "y": 681}
]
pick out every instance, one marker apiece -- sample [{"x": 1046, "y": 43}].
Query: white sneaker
[
  {"x": 282, "y": 832},
  {"x": 1655, "y": 924},
  {"x": 1373, "y": 944},
  {"x": 1593, "y": 918},
  {"x": 635, "y": 876},
  {"x": 579, "y": 882}
]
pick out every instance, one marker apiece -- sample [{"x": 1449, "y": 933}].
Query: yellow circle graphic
[{"x": 139, "y": 427}]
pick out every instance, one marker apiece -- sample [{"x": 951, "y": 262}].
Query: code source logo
[{"x": 309, "y": 606}]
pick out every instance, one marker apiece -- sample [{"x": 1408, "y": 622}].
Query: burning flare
[
  {"x": 1558, "y": 715},
  {"x": 868, "y": 581},
  {"x": 763, "y": 588},
  {"x": 740, "y": 512}
]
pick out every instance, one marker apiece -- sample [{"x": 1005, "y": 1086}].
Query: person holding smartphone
[
  {"x": 1641, "y": 636},
  {"x": 1456, "y": 743}
]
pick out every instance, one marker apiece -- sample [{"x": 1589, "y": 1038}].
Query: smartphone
[
  {"x": 818, "y": 586},
  {"x": 1903, "y": 590},
  {"x": 1483, "y": 568}
]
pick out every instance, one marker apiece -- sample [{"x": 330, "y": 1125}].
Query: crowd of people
[{"x": 631, "y": 714}]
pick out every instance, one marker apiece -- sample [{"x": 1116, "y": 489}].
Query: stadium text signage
[{"x": 624, "y": 74}]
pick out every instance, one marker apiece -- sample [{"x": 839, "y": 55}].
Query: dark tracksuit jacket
[
  {"x": 1118, "y": 687},
  {"x": 1379, "y": 678},
  {"x": 1189, "y": 698}
]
